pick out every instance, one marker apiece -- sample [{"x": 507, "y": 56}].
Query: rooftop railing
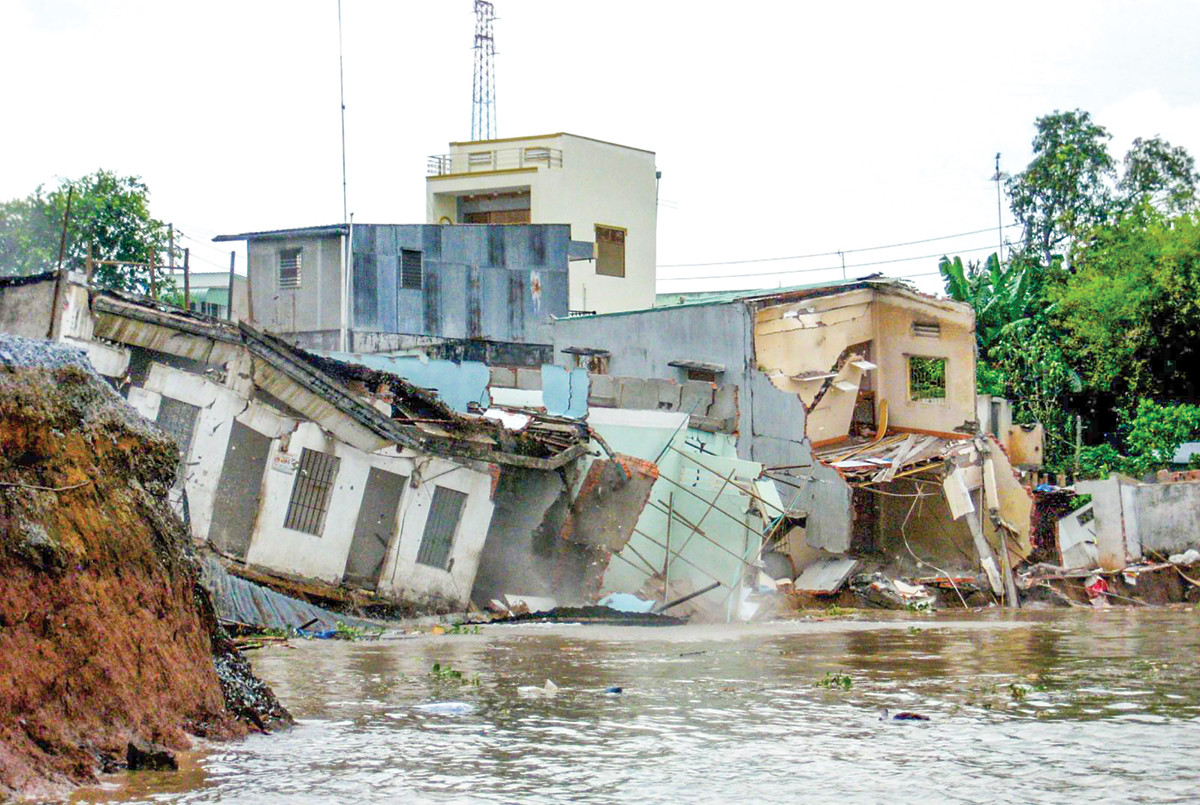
[{"x": 530, "y": 156}]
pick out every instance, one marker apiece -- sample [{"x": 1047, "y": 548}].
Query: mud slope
[{"x": 105, "y": 636}]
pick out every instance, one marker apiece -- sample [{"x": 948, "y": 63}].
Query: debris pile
[{"x": 106, "y": 639}]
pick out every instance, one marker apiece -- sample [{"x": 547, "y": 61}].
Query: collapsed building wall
[{"x": 105, "y": 636}]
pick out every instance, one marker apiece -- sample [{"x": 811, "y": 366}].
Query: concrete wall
[
  {"x": 1168, "y": 517},
  {"x": 1140, "y": 521},
  {"x": 597, "y": 183},
  {"x": 770, "y": 421},
  {"x": 25, "y": 306},
  {"x": 810, "y": 336}
]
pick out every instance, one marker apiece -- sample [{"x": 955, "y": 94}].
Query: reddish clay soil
[{"x": 105, "y": 635}]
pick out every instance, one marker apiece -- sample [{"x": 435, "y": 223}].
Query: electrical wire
[
  {"x": 991, "y": 247},
  {"x": 836, "y": 252}
]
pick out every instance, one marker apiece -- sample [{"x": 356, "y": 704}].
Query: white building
[{"x": 607, "y": 193}]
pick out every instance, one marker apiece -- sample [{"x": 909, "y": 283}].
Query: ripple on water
[{"x": 1045, "y": 711}]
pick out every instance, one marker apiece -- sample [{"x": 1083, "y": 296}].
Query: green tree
[
  {"x": 1159, "y": 174},
  {"x": 1067, "y": 186},
  {"x": 109, "y": 211},
  {"x": 1130, "y": 314}
]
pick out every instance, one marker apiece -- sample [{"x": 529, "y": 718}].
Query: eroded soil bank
[{"x": 105, "y": 636}]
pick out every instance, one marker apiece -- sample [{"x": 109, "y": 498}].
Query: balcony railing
[{"x": 532, "y": 156}]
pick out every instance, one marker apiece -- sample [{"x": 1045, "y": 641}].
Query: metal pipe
[{"x": 688, "y": 597}]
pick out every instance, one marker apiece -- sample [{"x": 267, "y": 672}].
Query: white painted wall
[
  {"x": 598, "y": 183},
  {"x": 323, "y": 557}
]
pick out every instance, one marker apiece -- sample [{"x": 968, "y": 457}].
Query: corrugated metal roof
[
  {"x": 243, "y": 601},
  {"x": 277, "y": 234}
]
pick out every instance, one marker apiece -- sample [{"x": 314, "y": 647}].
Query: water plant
[
  {"x": 836, "y": 681},
  {"x": 446, "y": 673}
]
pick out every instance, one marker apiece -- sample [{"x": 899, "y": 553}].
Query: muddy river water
[{"x": 1063, "y": 706}]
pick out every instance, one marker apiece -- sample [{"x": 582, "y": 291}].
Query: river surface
[{"x": 1045, "y": 707}]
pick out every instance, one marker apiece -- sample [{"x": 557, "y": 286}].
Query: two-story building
[
  {"x": 607, "y": 193},
  {"x": 484, "y": 293}
]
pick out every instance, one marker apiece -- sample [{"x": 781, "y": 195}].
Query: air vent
[
  {"x": 927, "y": 329},
  {"x": 289, "y": 268}
]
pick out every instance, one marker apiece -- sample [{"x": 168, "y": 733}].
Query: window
[
  {"x": 442, "y": 523},
  {"x": 478, "y": 159},
  {"x": 311, "y": 492},
  {"x": 926, "y": 378},
  {"x": 289, "y": 268},
  {"x": 410, "y": 270},
  {"x": 178, "y": 419},
  {"x": 610, "y": 251}
]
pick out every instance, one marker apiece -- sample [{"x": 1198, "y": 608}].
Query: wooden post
[
  {"x": 62, "y": 243},
  {"x": 91, "y": 266},
  {"x": 153, "y": 282},
  {"x": 187, "y": 280},
  {"x": 229, "y": 302}
]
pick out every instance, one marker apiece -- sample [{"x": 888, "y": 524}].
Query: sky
[{"x": 780, "y": 128}]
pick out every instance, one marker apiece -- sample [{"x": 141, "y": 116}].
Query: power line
[
  {"x": 833, "y": 253},
  {"x": 828, "y": 268}
]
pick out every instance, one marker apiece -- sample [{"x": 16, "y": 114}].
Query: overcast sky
[{"x": 781, "y": 128}]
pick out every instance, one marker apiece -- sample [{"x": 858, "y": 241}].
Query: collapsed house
[
  {"x": 314, "y": 469},
  {"x": 856, "y": 399}
]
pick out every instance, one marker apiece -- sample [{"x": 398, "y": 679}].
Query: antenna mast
[{"x": 483, "y": 86}]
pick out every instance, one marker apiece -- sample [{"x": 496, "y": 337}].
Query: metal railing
[{"x": 530, "y": 156}]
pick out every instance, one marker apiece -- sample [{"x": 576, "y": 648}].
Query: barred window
[
  {"x": 410, "y": 270},
  {"x": 926, "y": 378},
  {"x": 311, "y": 492},
  {"x": 178, "y": 419},
  {"x": 440, "y": 527},
  {"x": 289, "y": 268}
]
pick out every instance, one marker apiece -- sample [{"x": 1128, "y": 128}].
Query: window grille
[
  {"x": 311, "y": 492},
  {"x": 178, "y": 419},
  {"x": 927, "y": 378},
  {"x": 444, "y": 513},
  {"x": 479, "y": 158},
  {"x": 289, "y": 268},
  {"x": 411, "y": 271},
  {"x": 610, "y": 251}
]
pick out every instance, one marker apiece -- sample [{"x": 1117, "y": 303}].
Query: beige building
[{"x": 607, "y": 193}]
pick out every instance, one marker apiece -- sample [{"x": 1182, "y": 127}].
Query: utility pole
[
  {"x": 999, "y": 211},
  {"x": 171, "y": 247},
  {"x": 483, "y": 85},
  {"x": 187, "y": 280},
  {"x": 342, "y": 91}
]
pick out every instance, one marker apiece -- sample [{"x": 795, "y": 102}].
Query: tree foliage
[
  {"x": 1067, "y": 185},
  {"x": 1116, "y": 338},
  {"x": 110, "y": 211},
  {"x": 1130, "y": 315}
]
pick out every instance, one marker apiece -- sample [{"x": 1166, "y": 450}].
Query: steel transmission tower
[{"x": 483, "y": 87}]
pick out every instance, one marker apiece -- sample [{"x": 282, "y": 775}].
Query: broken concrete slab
[{"x": 826, "y": 576}]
